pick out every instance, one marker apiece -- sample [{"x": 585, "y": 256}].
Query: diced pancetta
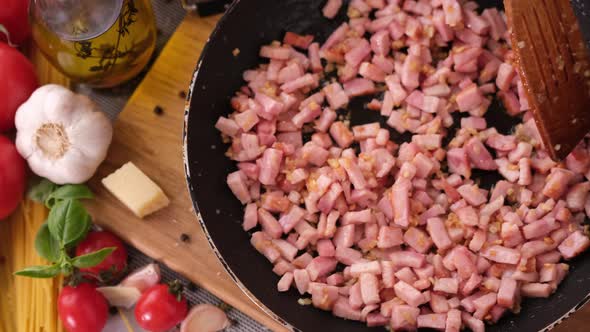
[
  {"x": 409, "y": 294},
  {"x": 501, "y": 254},
  {"x": 331, "y": 8},
  {"x": 433, "y": 321},
  {"x": 574, "y": 244},
  {"x": 404, "y": 317},
  {"x": 403, "y": 235}
]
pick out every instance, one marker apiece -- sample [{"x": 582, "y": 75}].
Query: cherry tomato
[
  {"x": 17, "y": 82},
  {"x": 159, "y": 309},
  {"x": 82, "y": 308},
  {"x": 14, "y": 17},
  {"x": 115, "y": 262},
  {"x": 12, "y": 177}
]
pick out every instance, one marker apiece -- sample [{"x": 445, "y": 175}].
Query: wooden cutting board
[{"x": 153, "y": 142}]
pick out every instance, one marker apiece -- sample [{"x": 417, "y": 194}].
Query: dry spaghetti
[{"x": 27, "y": 304}]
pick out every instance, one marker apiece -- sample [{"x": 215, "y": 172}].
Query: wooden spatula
[{"x": 555, "y": 70}]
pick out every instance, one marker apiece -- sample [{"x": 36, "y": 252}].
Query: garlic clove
[
  {"x": 143, "y": 278},
  {"x": 61, "y": 107},
  {"x": 205, "y": 318},
  {"x": 119, "y": 296},
  {"x": 92, "y": 135}
]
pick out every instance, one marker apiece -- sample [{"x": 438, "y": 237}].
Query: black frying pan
[{"x": 247, "y": 25}]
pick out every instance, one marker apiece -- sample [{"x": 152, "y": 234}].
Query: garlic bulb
[{"x": 62, "y": 135}]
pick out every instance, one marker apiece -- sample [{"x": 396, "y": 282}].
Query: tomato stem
[{"x": 176, "y": 288}]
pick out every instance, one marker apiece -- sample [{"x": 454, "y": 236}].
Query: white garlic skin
[
  {"x": 63, "y": 135},
  {"x": 205, "y": 318}
]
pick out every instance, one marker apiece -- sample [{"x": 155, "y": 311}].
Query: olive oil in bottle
[{"x": 101, "y": 43}]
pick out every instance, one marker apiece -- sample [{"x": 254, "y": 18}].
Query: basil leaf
[
  {"x": 39, "y": 271},
  {"x": 92, "y": 259},
  {"x": 41, "y": 191},
  {"x": 77, "y": 242},
  {"x": 69, "y": 191},
  {"x": 68, "y": 221},
  {"x": 46, "y": 245}
]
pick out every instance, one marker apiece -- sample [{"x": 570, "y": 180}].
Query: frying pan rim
[
  {"x": 192, "y": 192},
  {"x": 191, "y": 189}
]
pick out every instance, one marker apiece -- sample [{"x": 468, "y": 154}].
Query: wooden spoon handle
[{"x": 554, "y": 68}]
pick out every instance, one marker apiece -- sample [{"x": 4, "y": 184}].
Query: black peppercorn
[
  {"x": 185, "y": 238},
  {"x": 158, "y": 110}
]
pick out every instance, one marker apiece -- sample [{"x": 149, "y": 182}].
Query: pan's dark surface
[{"x": 247, "y": 25}]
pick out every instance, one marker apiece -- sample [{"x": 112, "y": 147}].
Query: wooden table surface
[{"x": 222, "y": 287}]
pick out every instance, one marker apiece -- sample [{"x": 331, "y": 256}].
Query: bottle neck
[{"x": 77, "y": 20}]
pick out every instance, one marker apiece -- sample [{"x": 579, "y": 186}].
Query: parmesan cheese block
[{"x": 137, "y": 191}]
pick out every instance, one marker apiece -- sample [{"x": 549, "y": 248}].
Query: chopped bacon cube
[
  {"x": 369, "y": 285},
  {"x": 472, "y": 194},
  {"x": 343, "y": 309},
  {"x": 409, "y": 294},
  {"x": 433, "y": 321},
  {"x": 417, "y": 239},
  {"x": 285, "y": 282},
  {"x": 476, "y": 325},
  {"x": 446, "y": 285},
  {"x": 331, "y": 8},
  {"x": 536, "y": 290},
  {"x": 506, "y": 74},
  {"x": 453, "y": 12},
  {"x": 404, "y": 317},
  {"x": 497, "y": 24},
  {"x": 574, "y": 244},
  {"x": 359, "y": 87},
  {"x": 411, "y": 72},
  {"x": 453, "y": 323},
  {"x": 469, "y": 98},
  {"x": 557, "y": 182},
  {"x": 411, "y": 259},
  {"x": 479, "y": 155},
  {"x": 300, "y": 41},
  {"x": 501, "y": 254},
  {"x": 277, "y": 53},
  {"x": 458, "y": 162},
  {"x": 438, "y": 233},
  {"x": 237, "y": 183},
  {"x": 401, "y": 202},
  {"x": 227, "y": 126}
]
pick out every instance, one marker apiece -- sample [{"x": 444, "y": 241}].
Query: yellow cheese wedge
[{"x": 137, "y": 191}]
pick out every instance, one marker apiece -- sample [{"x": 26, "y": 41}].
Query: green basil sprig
[{"x": 67, "y": 224}]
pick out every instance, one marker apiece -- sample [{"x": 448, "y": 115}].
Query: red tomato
[
  {"x": 14, "y": 17},
  {"x": 82, "y": 308},
  {"x": 94, "y": 241},
  {"x": 12, "y": 177},
  {"x": 158, "y": 309},
  {"x": 17, "y": 82}
]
